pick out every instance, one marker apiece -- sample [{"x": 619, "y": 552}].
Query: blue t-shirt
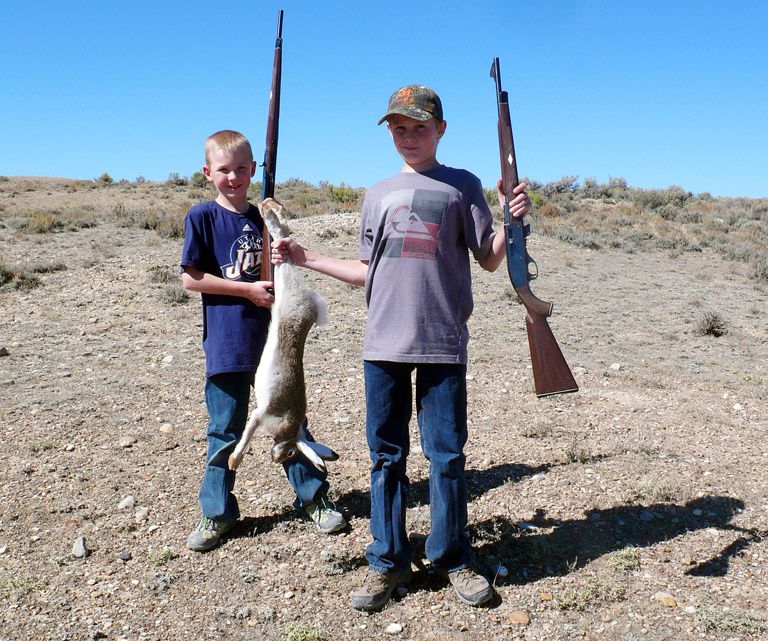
[{"x": 227, "y": 244}]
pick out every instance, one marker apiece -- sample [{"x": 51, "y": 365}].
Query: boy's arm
[
  {"x": 343, "y": 269},
  {"x": 519, "y": 206},
  {"x": 199, "y": 281}
]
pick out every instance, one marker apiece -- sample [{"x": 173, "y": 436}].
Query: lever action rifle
[
  {"x": 551, "y": 374},
  {"x": 270, "y": 151}
]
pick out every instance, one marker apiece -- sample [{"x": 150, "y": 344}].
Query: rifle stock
[
  {"x": 270, "y": 150},
  {"x": 551, "y": 374}
]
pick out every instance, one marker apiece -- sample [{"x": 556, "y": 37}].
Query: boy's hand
[
  {"x": 271, "y": 202},
  {"x": 520, "y": 205},
  {"x": 287, "y": 249},
  {"x": 261, "y": 293}
]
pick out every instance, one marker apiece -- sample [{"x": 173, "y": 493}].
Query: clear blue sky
[{"x": 661, "y": 93}]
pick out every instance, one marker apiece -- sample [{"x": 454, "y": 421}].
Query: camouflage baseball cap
[{"x": 415, "y": 101}]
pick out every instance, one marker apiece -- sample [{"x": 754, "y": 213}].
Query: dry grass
[{"x": 589, "y": 215}]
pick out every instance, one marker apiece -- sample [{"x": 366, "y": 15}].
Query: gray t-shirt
[{"x": 416, "y": 232}]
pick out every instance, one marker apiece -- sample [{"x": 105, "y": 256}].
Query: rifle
[
  {"x": 270, "y": 151},
  {"x": 551, "y": 374}
]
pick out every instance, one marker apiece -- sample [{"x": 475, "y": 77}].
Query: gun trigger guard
[
  {"x": 532, "y": 274},
  {"x": 526, "y": 230}
]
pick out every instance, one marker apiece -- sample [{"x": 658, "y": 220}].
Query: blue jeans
[
  {"x": 227, "y": 396},
  {"x": 441, "y": 405}
]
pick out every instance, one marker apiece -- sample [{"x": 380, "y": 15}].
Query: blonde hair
[{"x": 228, "y": 140}]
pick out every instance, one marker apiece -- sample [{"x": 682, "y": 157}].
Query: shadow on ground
[{"x": 549, "y": 547}]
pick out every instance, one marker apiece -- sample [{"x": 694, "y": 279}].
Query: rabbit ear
[
  {"x": 306, "y": 450},
  {"x": 323, "y": 451}
]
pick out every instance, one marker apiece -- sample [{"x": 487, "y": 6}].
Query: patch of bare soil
[{"x": 632, "y": 510}]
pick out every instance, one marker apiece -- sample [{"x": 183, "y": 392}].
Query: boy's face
[
  {"x": 231, "y": 173},
  {"x": 416, "y": 140}
]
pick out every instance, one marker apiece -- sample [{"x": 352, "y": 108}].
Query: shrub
[
  {"x": 625, "y": 560},
  {"x": 105, "y": 179},
  {"x": 565, "y": 185},
  {"x": 6, "y": 274},
  {"x": 199, "y": 179},
  {"x": 617, "y": 184},
  {"x": 549, "y": 209},
  {"x": 760, "y": 269},
  {"x": 711, "y": 324},
  {"x": 162, "y": 556},
  {"x": 302, "y": 632},
  {"x": 46, "y": 268},
  {"x": 176, "y": 179},
  {"x": 594, "y": 591},
  {"x": 43, "y": 223}
]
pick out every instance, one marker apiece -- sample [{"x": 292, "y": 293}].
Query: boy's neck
[
  {"x": 239, "y": 208},
  {"x": 421, "y": 167}
]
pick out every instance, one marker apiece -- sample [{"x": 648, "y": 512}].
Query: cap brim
[{"x": 409, "y": 112}]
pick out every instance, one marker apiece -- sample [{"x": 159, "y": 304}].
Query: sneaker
[
  {"x": 207, "y": 535},
  {"x": 377, "y": 589},
  {"x": 324, "y": 514},
  {"x": 471, "y": 588}
]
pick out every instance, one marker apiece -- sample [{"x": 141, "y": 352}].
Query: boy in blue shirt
[
  {"x": 221, "y": 259},
  {"x": 416, "y": 233}
]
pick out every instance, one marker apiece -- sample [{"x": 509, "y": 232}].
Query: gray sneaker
[
  {"x": 324, "y": 514},
  {"x": 471, "y": 588},
  {"x": 207, "y": 535},
  {"x": 377, "y": 589}
]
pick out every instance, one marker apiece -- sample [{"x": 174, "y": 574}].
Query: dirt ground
[{"x": 634, "y": 510}]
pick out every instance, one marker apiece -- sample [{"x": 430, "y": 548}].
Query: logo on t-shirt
[
  {"x": 413, "y": 222},
  {"x": 245, "y": 259}
]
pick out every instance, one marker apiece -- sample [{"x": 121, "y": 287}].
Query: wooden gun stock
[
  {"x": 551, "y": 374},
  {"x": 270, "y": 150}
]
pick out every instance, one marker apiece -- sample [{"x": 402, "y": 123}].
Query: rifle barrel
[{"x": 270, "y": 148}]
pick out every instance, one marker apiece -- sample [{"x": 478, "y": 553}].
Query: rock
[
  {"x": 127, "y": 502},
  {"x": 665, "y": 598},
  {"x": 79, "y": 549},
  {"x": 545, "y": 596},
  {"x": 141, "y": 515},
  {"x": 519, "y": 617},
  {"x": 4, "y": 351},
  {"x": 3, "y": 549},
  {"x": 124, "y": 556},
  {"x": 126, "y": 442},
  {"x": 166, "y": 428},
  {"x": 616, "y": 366},
  {"x": 393, "y": 628},
  {"x": 500, "y": 570}
]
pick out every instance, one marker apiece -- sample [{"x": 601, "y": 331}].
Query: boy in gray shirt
[{"x": 417, "y": 231}]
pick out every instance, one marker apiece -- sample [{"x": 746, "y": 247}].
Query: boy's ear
[
  {"x": 441, "y": 128},
  {"x": 207, "y": 172},
  {"x": 253, "y": 168}
]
